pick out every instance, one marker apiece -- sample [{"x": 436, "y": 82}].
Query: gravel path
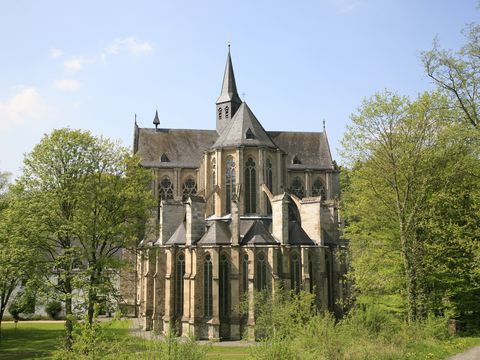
[{"x": 472, "y": 354}]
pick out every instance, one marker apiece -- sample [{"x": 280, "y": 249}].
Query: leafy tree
[
  {"x": 53, "y": 309},
  {"x": 84, "y": 199},
  {"x": 458, "y": 73}
]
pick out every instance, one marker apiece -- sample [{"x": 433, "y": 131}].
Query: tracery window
[
  {"x": 245, "y": 273},
  {"x": 250, "y": 187},
  {"x": 261, "y": 272},
  {"x": 229, "y": 182},
  {"x": 269, "y": 183},
  {"x": 207, "y": 286},
  {"x": 165, "y": 190},
  {"x": 178, "y": 291},
  {"x": 227, "y": 111},
  {"x": 297, "y": 187},
  {"x": 189, "y": 188},
  {"x": 295, "y": 272},
  {"x": 317, "y": 188},
  {"x": 220, "y": 113},
  {"x": 224, "y": 287}
]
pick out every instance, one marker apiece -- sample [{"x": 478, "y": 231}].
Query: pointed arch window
[
  {"x": 178, "y": 291},
  {"x": 220, "y": 113},
  {"x": 207, "y": 286},
  {"x": 318, "y": 188},
  {"x": 189, "y": 188},
  {"x": 214, "y": 181},
  {"x": 227, "y": 112},
  {"x": 296, "y": 160},
  {"x": 165, "y": 189},
  {"x": 224, "y": 288},
  {"x": 311, "y": 271},
  {"x": 164, "y": 158},
  {"x": 295, "y": 272},
  {"x": 250, "y": 186},
  {"x": 269, "y": 182},
  {"x": 245, "y": 273},
  {"x": 297, "y": 188},
  {"x": 261, "y": 272},
  {"x": 249, "y": 134},
  {"x": 229, "y": 182}
]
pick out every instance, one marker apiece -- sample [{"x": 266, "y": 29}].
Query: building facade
[{"x": 240, "y": 209}]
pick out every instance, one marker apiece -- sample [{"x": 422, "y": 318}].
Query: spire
[
  {"x": 156, "y": 120},
  {"x": 229, "y": 87}
]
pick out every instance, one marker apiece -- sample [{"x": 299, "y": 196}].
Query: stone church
[{"x": 240, "y": 209}]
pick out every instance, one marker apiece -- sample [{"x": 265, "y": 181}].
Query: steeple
[
  {"x": 156, "y": 120},
  {"x": 228, "y": 102}
]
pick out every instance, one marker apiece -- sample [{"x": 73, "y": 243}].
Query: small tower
[
  {"x": 228, "y": 102},
  {"x": 156, "y": 120}
]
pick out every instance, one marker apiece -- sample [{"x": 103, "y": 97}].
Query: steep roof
[
  {"x": 235, "y": 132},
  {"x": 178, "y": 237},
  {"x": 217, "y": 233},
  {"x": 183, "y": 148},
  {"x": 258, "y": 235},
  {"x": 229, "y": 86},
  {"x": 298, "y": 236},
  {"x": 311, "y": 148}
]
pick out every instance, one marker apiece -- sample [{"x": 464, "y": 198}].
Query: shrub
[{"x": 53, "y": 309}]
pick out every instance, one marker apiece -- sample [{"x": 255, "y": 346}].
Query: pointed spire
[
  {"x": 156, "y": 120},
  {"x": 229, "y": 87}
]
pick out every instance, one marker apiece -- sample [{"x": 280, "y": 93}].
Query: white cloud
[
  {"x": 55, "y": 53},
  {"x": 74, "y": 64},
  {"x": 131, "y": 45},
  {"x": 27, "y": 104},
  {"x": 66, "y": 85}
]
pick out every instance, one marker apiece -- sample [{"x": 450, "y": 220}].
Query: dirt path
[{"x": 472, "y": 354}]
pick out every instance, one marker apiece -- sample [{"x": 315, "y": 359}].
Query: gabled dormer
[{"x": 228, "y": 102}]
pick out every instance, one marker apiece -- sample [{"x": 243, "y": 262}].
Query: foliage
[
  {"x": 53, "y": 309},
  {"x": 458, "y": 74},
  {"x": 85, "y": 199}
]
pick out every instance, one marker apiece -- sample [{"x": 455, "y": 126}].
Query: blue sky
[{"x": 94, "y": 64}]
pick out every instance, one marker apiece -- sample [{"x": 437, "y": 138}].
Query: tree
[
  {"x": 84, "y": 199},
  {"x": 458, "y": 74},
  {"x": 388, "y": 146}
]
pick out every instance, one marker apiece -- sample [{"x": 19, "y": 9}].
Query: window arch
[
  {"x": 189, "y": 188},
  {"x": 250, "y": 186},
  {"x": 207, "y": 286},
  {"x": 296, "y": 160},
  {"x": 214, "y": 181},
  {"x": 227, "y": 112},
  {"x": 164, "y": 158},
  {"x": 261, "y": 272},
  {"x": 224, "y": 288},
  {"x": 178, "y": 291},
  {"x": 165, "y": 189},
  {"x": 269, "y": 182},
  {"x": 220, "y": 113},
  {"x": 245, "y": 273},
  {"x": 297, "y": 188},
  {"x": 295, "y": 272},
  {"x": 318, "y": 188},
  {"x": 229, "y": 182},
  {"x": 249, "y": 134}
]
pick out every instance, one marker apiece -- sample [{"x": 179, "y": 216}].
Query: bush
[{"x": 53, "y": 309}]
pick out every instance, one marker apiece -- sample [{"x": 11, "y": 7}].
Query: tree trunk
[
  {"x": 411, "y": 276},
  {"x": 68, "y": 313}
]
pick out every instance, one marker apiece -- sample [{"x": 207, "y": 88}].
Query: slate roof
[
  {"x": 311, "y": 148},
  {"x": 218, "y": 233},
  {"x": 234, "y": 132},
  {"x": 184, "y": 148},
  {"x": 258, "y": 235},
  {"x": 298, "y": 236},
  {"x": 229, "y": 86},
  {"x": 179, "y": 236}
]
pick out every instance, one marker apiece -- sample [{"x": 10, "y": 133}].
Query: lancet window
[
  {"x": 295, "y": 272},
  {"x": 178, "y": 292},
  {"x": 250, "y": 187},
  {"x": 207, "y": 286},
  {"x": 261, "y": 272},
  {"x": 229, "y": 182}
]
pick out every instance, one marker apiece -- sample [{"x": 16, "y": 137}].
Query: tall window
[
  {"x": 245, "y": 273},
  {"x": 261, "y": 272},
  {"x": 317, "y": 188},
  {"x": 227, "y": 112},
  {"x": 207, "y": 286},
  {"x": 269, "y": 183},
  {"x": 165, "y": 190},
  {"x": 311, "y": 271},
  {"x": 295, "y": 272},
  {"x": 250, "y": 187},
  {"x": 224, "y": 287},
  {"x": 229, "y": 182},
  {"x": 220, "y": 113},
  {"x": 297, "y": 187},
  {"x": 189, "y": 188},
  {"x": 178, "y": 291},
  {"x": 214, "y": 181}
]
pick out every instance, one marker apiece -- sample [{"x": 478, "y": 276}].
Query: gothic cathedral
[{"x": 240, "y": 210}]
